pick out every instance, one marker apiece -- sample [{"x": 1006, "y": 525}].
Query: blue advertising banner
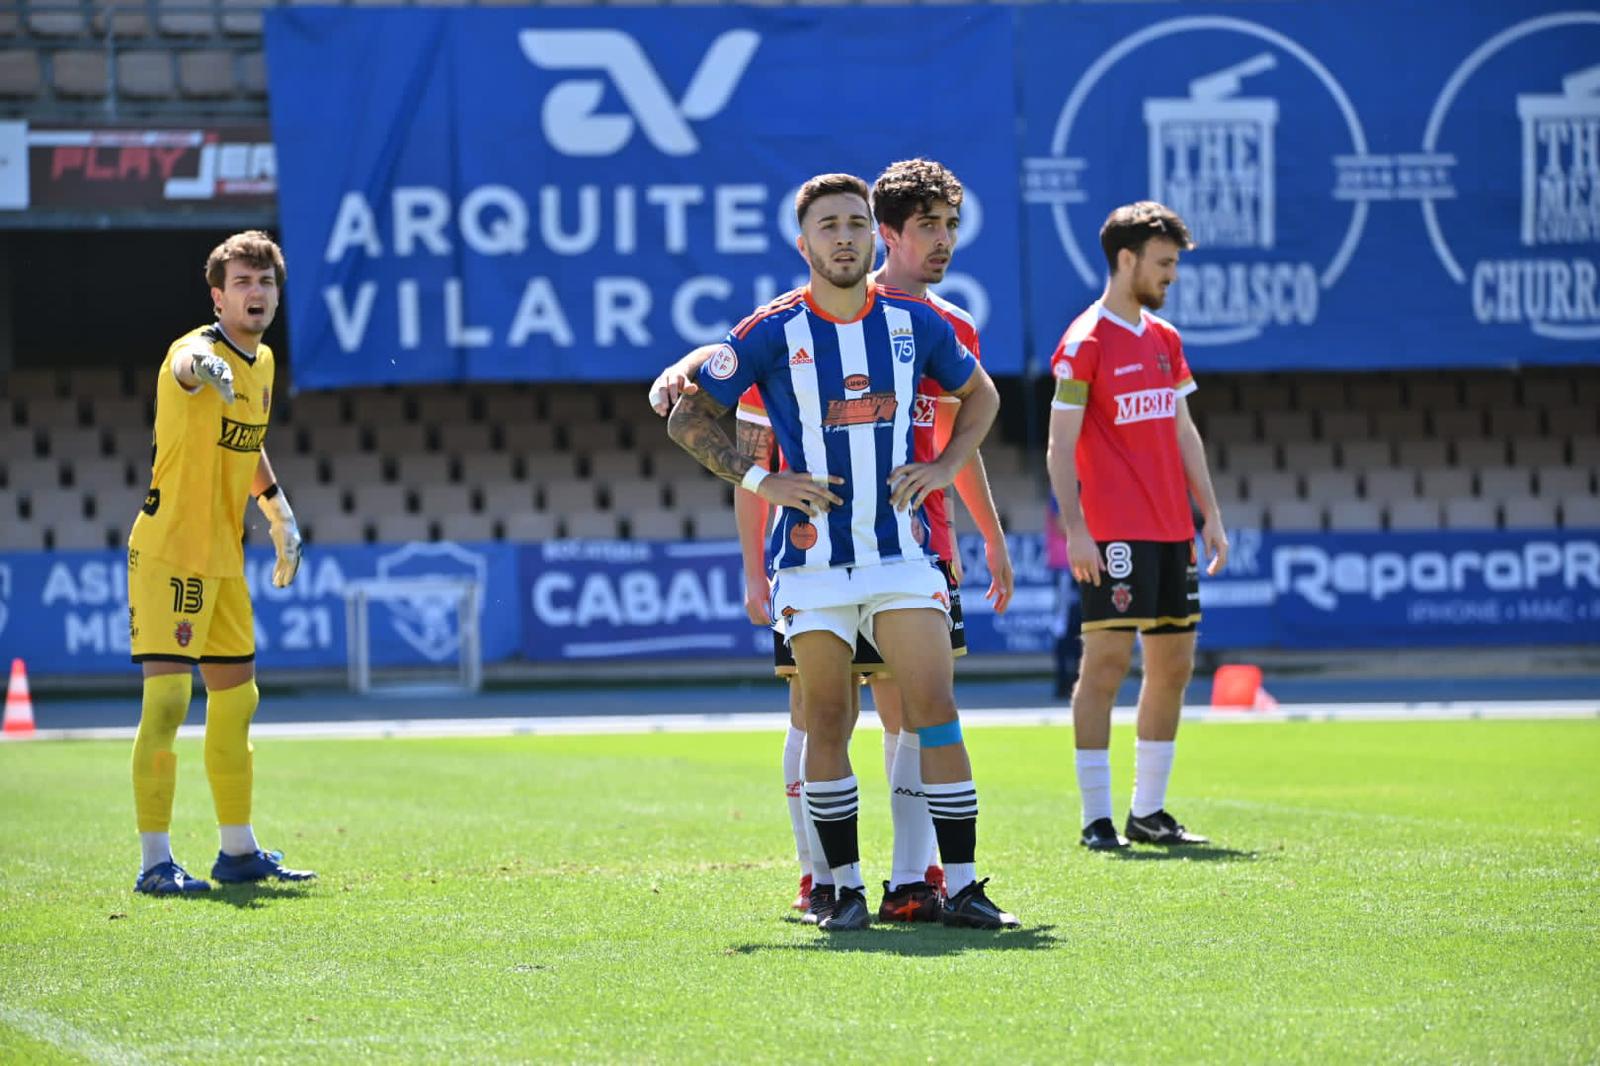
[
  {"x": 1368, "y": 184},
  {"x": 549, "y": 194},
  {"x": 654, "y": 600},
  {"x": 1405, "y": 590},
  {"x": 67, "y": 612}
]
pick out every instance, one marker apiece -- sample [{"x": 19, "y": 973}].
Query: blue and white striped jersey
[{"x": 840, "y": 397}]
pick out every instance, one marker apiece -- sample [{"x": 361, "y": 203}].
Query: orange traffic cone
[
  {"x": 19, "y": 705},
  {"x": 1238, "y": 687}
]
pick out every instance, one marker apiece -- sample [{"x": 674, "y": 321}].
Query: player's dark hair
[
  {"x": 1132, "y": 226},
  {"x": 253, "y": 248},
  {"x": 827, "y": 185},
  {"x": 910, "y": 187}
]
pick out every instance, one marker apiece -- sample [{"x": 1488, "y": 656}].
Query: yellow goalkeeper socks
[
  {"x": 155, "y": 767},
  {"x": 228, "y": 751}
]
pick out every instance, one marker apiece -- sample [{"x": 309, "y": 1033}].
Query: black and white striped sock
[
  {"x": 954, "y": 808},
  {"x": 833, "y": 806}
]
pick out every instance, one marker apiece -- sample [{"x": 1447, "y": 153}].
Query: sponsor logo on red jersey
[
  {"x": 922, "y": 410},
  {"x": 1145, "y": 405}
]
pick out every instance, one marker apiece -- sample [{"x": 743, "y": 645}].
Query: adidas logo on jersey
[
  {"x": 801, "y": 358},
  {"x": 1146, "y": 404}
]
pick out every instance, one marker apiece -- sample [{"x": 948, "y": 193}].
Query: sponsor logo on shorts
[
  {"x": 863, "y": 410},
  {"x": 943, "y": 598},
  {"x": 803, "y": 535},
  {"x": 792, "y": 789},
  {"x": 918, "y": 534},
  {"x": 1121, "y": 597},
  {"x": 183, "y": 634},
  {"x": 788, "y": 612},
  {"x": 857, "y": 382},
  {"x": 723, "y": 362}
]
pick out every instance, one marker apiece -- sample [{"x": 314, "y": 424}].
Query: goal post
[{"x": 430, "y": 602}]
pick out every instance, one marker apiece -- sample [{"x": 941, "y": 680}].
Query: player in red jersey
[
  {"x": 1120, "y": 428},
  {"x": 917, "y": 204}
]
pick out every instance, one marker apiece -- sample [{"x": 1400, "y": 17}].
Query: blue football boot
[
  {"x": 257, "y": 866},
  {"x": 169, "y": 879}
]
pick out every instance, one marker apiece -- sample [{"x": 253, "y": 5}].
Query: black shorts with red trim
[
  {"x": 866, "y": 660},
  {"x": 1149, "y": 585}
]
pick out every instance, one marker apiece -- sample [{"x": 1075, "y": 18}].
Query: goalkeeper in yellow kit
[{"x": 188, "y": 604}]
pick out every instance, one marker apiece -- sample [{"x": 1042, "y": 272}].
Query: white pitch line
[
  {"x": 48, "y": 1029},
  {"x": 586, "y": 725}
]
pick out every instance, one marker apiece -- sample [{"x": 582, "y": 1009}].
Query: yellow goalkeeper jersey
[{"x": 206, "y": 453}]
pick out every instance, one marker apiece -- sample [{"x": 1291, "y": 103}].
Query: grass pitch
[{"x": 1423, "y": 891}]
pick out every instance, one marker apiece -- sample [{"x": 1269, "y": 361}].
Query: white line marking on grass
[
  {"x": 49, "y": 1029},
  {"x": 586, "y": 725}
]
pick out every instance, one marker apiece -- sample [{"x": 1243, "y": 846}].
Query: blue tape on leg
[{"x": 940, "y": 736}]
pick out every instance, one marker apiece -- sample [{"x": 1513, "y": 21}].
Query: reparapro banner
[
  {"x": 1404, "y": 590},
  {"x": 548, "y": 194},
  {"x": 1369, "y": 184},
  {"x": 67, "y": 612}
]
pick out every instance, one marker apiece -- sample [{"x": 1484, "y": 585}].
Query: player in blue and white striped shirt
[{"x": 837, "y": 364}]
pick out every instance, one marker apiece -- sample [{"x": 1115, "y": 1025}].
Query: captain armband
[{"x": 1072, "y": 391}]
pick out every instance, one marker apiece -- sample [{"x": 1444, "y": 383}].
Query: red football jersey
[
  {"x": 1127, "y": 379},
  {"x": 923, "y": 447}
]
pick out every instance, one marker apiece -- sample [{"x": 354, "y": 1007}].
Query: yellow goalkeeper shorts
[{"x": 176, "y": 616}]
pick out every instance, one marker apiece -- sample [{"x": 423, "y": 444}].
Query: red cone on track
[
  {"x": 1237, "y": 687},
  {"x": 19, "y": 705}
]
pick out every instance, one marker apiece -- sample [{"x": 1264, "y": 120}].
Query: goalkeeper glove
[
  {"x": 214, "y": 370},
  {"x": 285, "y": 534}
]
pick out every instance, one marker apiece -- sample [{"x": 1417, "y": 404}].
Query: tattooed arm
[
  {"x": 693, "y": 427},
  {"x": 750, "y": 513}
]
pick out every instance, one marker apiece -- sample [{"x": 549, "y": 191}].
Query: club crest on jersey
[
  {"x": 1163, "y": 362},
  {"x": 1121, "y": 597},
  {"x": 1145, "y": 405},
  {"x": 861, "y": 411},
  {"x": 723, "y": 362},
  {"x": 801, "y": 358},
  {"x": 183, "y": 634},
  {"x": 904, "y": 344}
]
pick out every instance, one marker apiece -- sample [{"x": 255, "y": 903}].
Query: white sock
[
  {"x": 891, "y": 744},
  {"x": 793, "y": 779},
  {"x": 1094, "y": 783},
  {"x": 820, "y": 874},
  {"x": 908, "y": 809},
  {"x": 156, "y": 849},
  {"x": 959, "y": 875},
  {"x": 237, "y": 839},
  {"x": 1152, "y": 766}
]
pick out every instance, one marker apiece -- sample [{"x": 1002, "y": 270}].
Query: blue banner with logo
[
  {"x": 67, "y": 612},
  {"x": 1405, "y": 590},
  {"x": 1368, "y": 184},
  {"x": 657, "y": 600},
  {"x": 547, "y": 194}
]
